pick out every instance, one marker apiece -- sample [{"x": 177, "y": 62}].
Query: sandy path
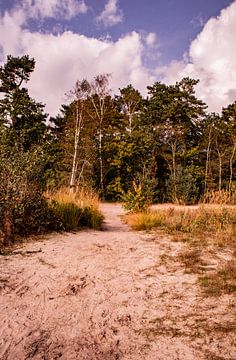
[{"x": 113, "y": 294}]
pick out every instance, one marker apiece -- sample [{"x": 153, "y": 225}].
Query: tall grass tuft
[
  {"x": 76, "y": 209},
  {"x": 147, "y": 220},
  {"x": 82, "y": 197}
]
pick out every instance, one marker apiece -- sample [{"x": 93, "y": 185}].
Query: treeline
[{"x": 166, "y": 143}]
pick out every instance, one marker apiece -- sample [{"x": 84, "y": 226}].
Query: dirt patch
[{"x": 111, "y": 294}]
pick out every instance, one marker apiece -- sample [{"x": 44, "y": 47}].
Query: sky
[{"x": 138, "y": 42}]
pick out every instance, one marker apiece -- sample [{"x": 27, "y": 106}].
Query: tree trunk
[
  {"x": 173, "y": 149},
  {"x": 101, "y": 161},
  {"x": 74, "y": 167},
  {"x": 207, "y": 161},
  {"x": 78, "y": 124},
  {"x": 231, "y": 167},
  {"x": 220, "y": 169}
]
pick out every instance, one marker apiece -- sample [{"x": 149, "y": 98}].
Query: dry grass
[
  {"x": 192, "y": 260},
  {"x": 209, "y": 236},
  {"x": 218, "y": 223},
  {"x": 222, "y": 281},
  {"x": 222, "y": 197},
  {"x": 76, "y": 209},
  {"x": 83, "y": 197}
]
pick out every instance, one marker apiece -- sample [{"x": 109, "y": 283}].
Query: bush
[
  {"x": 68, "y": 213},
  {"x": 21, "y": 201},
  {"x": 146, "y": 220},
  {"x": 139, "y": 198},
  {"x": 91, "y": 218},
  {"x": 183, "y": 189},
  {"x": 34, "y": 215}
]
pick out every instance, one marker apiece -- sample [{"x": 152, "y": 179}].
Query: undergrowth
[{"x": 76, "y": 209}]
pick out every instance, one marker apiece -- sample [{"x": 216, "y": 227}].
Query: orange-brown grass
[
  {"x": 76, "y": 209},
  {"x": 218, "y": 222},
  {"x": 83, "y": 197},
  {"x": 222, "y": 197}
]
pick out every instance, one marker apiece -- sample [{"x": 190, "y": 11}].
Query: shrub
[
  {"x": 139, "y": 198},
  {"x": 68, "y": 213},
  {"x": 20, "y": 194},
  {"x": 91, "y": 218},
  {"x": 183, "y": 189},
  {"x": 146, "y": 220},
  {"x": 35, "y": 215}
]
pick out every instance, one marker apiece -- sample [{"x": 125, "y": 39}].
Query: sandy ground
[{"x": 112, "y": 294}]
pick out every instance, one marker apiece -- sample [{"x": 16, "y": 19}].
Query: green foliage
[
  {"x": 68, "y": 213},
  {"x": 74, "y": 217},
  {"x": 140, "y": 197},
  {"x": 183, "y": 188},
  {"x": 22, "y": 157},
  {"x": 91, "y": 218},
  {"x": 22, "y": 207},
  {"x": 34, "y": 215},
  {"x": 18, "y": 110},
  {"x": 114, "y": 189}
]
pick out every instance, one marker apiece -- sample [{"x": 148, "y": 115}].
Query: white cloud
[
  {"x": 64, "y": 58},
  {"x": 66, "y": 9},
  {"x": 111, "y": 15},
  {"x": 10, "y": 41},
  {"x": 151, "y": 39},
  {"x": 212, "y": 60}
]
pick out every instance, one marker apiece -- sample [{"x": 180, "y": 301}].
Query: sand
[{"x": 111, "y": 294}]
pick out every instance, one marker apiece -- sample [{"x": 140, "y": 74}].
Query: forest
[{"x": 165, "y": 146}]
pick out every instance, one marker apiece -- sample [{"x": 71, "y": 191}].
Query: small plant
[
  {"x": 139, "y": 198},
  {"x": 34, "y": 215},
  {"x": 192, "y": 260}
]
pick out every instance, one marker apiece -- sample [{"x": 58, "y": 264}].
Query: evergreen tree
[{"x": 18, "y": 111}]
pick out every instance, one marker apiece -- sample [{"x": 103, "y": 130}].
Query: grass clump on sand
[
  {"x": 146, "y": 220},
  {"x": 204, "y": 219},
  {"x": 76, "y": 209},
  {"x": 222, "y": 281}
]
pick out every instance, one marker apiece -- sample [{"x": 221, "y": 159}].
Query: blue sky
[{"x": 138, "y": 41}]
